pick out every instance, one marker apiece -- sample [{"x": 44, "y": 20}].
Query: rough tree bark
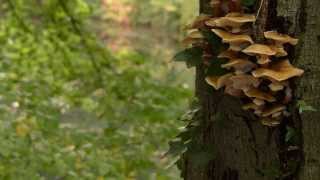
[{"x": 244, "y": 149}]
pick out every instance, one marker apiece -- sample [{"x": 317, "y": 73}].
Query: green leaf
[
  {"x": 177, "y": 147},
  {"x": 192, "y": 56},
  {"x": 215, "y": 68},
  {"x": 302, "y": 106},
  {"x": 212, "y": 38},
  {"x": 215, "y": 41},
  {"x": 291, "y": 133},
  {"x": 248, "y": 2}
]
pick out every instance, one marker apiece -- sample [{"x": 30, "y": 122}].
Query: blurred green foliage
[{"x": 71, "y": 109}]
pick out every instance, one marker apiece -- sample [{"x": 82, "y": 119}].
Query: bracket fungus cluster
[{"x": 257, "y": 72}]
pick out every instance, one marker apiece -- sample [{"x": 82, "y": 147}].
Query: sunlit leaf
[
  {"x": 22, "y": 129},
  {"x": 303, "y": 107}
]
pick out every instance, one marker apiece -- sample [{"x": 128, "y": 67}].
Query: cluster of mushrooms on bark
[{"x": 258, "y": 72}]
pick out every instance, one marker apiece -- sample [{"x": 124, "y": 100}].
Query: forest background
[{"x": 88, "y": 88}]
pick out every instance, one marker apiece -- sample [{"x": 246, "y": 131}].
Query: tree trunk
[{"x": 243, "y": 148}]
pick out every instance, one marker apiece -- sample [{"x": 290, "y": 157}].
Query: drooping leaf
[{"x": 192, "y": 56}]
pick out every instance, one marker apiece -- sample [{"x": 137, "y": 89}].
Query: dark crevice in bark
[{"x": 295, "y": 157}]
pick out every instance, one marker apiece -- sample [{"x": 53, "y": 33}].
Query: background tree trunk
[{"x": 243, "y": 148}]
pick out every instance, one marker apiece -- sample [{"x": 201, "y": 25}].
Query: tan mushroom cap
[
  {"x": 280, "y": 52},
  {"x": 262, "y": 51},
  {"x": 218, "y": 81},
  {"x": 188, "y": 40},
  {"x": 234, "y": 22},
  {"x": 277, "y": 114},
  {"x": 259, "y": 49},
  {"x": 233, "y": 92},
  {"x": 194, "y": 36},
  {"x": 195, "y": 33},
  {"x": 256, "y": 93},
  {"x": 229, "y": 54},
  {"x": 271, "y": 122},
  {"x": 258, "y": 102},
  {"x": 280, "y": 38},
  {"x": 279, "y": 71},
  {"x": 232, "y": 38},
  {"x": 240, "y": 65},
  {"x": 244, "y": 82},
  {"x": 276, "y": 86},
  {"x": 273, "y": 109}
]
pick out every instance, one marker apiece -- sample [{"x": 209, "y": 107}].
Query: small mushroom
[
  {"x": 280, "y": 52},
  {"x": 199, "y": 22},
  {"x": 195, "y": 33},
  {"x": 249, "y": 106},
  {"x": 256, "y": 93},
  {"x": 231, "y": 22},
  {"x": 273, "y": 109},
  {"x": 276, "y": 86},
  {"x": 279, "y": 71},
  {"x": 261, "y": 51},
  {"x": 187, "y": 41},
  {"x": 218, "y": 81},
  {"x": 258, "y": 102},
  {"x": 280, "y": 39},
  {"x": 233, "y": 92},
  {"x": 236, "y": 42},
  {"x": 244, "y": 82},
  {"x": 271, "y": 122},
  {"x": 193, "y": 37},
  {"x": 277, "y": 114},
  {"x": 229, "y": 54},
  {"x": 240, "y": 65}
]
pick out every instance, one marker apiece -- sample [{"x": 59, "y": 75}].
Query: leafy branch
[{"x": 77, "y": 28}]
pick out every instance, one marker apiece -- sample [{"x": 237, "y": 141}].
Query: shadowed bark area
[
  {"x": 303, "y": 17},
  {"x": 244, "y": 149}
]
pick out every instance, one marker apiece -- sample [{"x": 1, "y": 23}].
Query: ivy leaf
[
  {"x": 214, "y": 41},
  {"x": 176, "y": 147},
  {"x": 291, "y": 133},
  {"x": 192, "y": 56},
  {"x": 302, "y": 106},
  {"x": 211, "y": 37},
  {"x": 248, "y": 2},
  {"x": 215, "y": 68}
]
